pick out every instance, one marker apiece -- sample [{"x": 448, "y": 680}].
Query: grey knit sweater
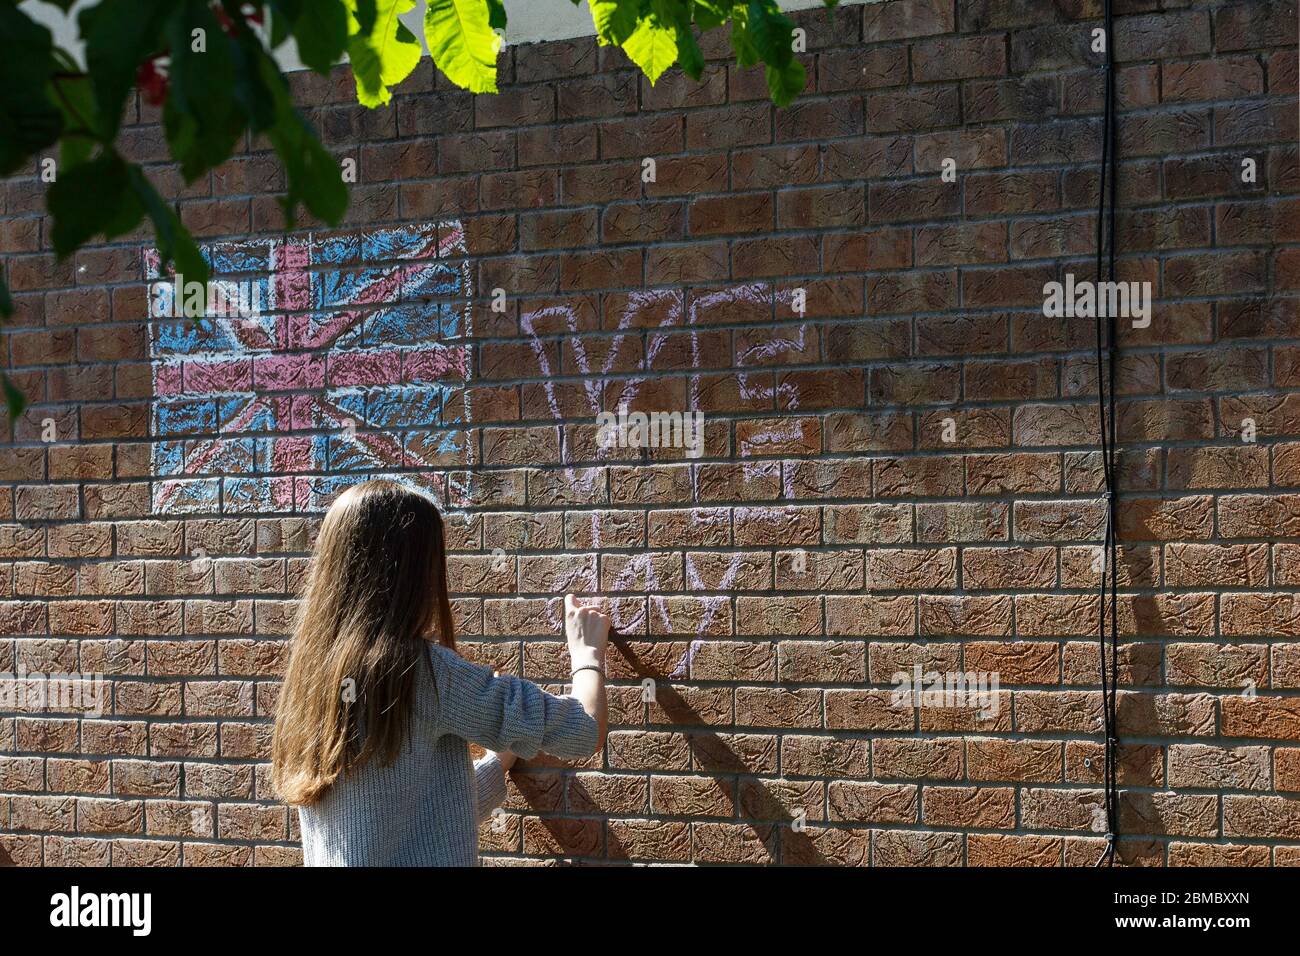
[{"x": 424, "y": 808}]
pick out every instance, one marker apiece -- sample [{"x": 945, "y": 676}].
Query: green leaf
[
  {"x": 76, "y": 97},
  {"x": 787, "y": 82},
  {"x": 741, "y": 42},
  {"x": 615, "y": 20},
  {"x": 119, "y": 34},
  {"x": 652, "y": 46},
  {"x": 463, "y": 43},
  {"x": 711, "y": 13},
  {"x": 678, "y": 14},
  {"x": 385, "y": 56},
  {"x": 202, "y": 119},
  {"x": 497, "y": 14},
  {"x": 321, "y": 33},
  {"x": 250, "y": 92},
  {"x": 689, "y": 53},
  {"x": 175, "y": 244},
  {"x": 280, "y": 18},
  {"x": 366, "y": 13},
  {"x": 28, "y": 120},
  {"x": 92, "y": 199},
  {"x": 6, "y": 300},
  {"x": 74, "y": 94},
  {"x": 15, "y": 400},
  {"x": 771, "y": 32},
  {"x": 313, "y": 173}
]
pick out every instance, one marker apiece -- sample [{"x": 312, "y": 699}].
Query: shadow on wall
[
  {"x": 575, "y": 838},
  {"x": 581, "y": 838}
]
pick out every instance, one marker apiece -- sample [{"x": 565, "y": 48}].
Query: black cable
[{"x": 1108, "y": 609}]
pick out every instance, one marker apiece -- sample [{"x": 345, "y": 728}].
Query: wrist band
[{"x": 588, "y": 667}]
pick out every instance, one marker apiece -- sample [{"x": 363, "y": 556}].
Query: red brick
[{"x": 900, "y": 465}]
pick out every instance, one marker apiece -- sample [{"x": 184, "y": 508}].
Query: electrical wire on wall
[{"x": 1108, "y": 611}]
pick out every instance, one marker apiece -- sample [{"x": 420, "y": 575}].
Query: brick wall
[{"x": 903, "y": 472}]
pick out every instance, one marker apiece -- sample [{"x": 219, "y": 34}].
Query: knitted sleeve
[
  {"x": 489, "y": 786},
  {"x": 506, "y": 712}
]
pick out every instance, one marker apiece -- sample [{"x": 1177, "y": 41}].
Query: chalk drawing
[
  {"x": 668, "y": 305},
  {"x": 359, "y": 357},
  {"x": 352, "y": 369}
]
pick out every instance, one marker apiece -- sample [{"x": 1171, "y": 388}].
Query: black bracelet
[{"x": 589, "y": 667}]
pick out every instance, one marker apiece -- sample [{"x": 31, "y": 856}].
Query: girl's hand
[{"x": 587, "y": 631}]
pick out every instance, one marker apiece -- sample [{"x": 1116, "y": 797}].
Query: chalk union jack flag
[{"x": 353, "y": 367}]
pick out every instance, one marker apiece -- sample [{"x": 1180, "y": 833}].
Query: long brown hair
[{"x": 376, "y": 594}]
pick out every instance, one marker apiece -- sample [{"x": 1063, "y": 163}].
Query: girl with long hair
[{"x": 377, "y": 711}]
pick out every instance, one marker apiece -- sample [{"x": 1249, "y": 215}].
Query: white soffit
[{"x": 530, "y": 21}]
